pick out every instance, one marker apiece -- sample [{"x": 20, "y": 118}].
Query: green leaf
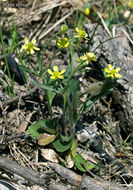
[
  {"x": 88, "y": 105},
  {"x": 67, "y": 138},
  {"x": 81, "y": 164},
  {"x": 51, "y": 96},
  {"x": 75, "y": 101},
  {"x": 43, "y": 86},
  {"x": 74, "y": 147},
  {"x": 97, "y": 91},
  {"x": 67, "y": 73},
  {"x": 39, "y": 61},
  {"x": 42, "y": 126},
  {"x": 94, "y": 89},
  {"x": 62, "y": 146},
  {"x": 73, "y": 83},
  {"x": 28, "y": 70}
]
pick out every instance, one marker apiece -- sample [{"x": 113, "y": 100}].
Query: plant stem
[{"x": 8, "y": 71}]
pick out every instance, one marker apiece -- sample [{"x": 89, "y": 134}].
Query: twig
[
  {"x": 55, "y": 25},
  {"x": 7, "y": 139},
  {"x": 86, "y": 181},
  {"x": 16, "y": 98},
  {"x": 30, "y": 175},
  {"x": 106, "y": 28}
]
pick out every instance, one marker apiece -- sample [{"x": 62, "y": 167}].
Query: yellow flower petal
[
  {"x": 63, "y": 71},
  {"x": 77, "y": 29},
  {"x": 117, "y": 75},
  {"x": 24, "y": 47},
  {"x": 87, "y": 11},
  {"x": 108, "y": 75},
  {"x": 33, "y": 41},
  {"x": 106, "y": 70},
  {"x": 110, "y": 67},
  {"x": 66, "y": 45},
  {"x": 117, "y": 69},
  {"x": 50, "y": 72},
  {"x": 32, "y": 51},
  {"x": 36, "y": 48},
  {"x": 26, "y": 41},
  {"x": 83, "y": 58},
  {"x": 53, "y": 77},
  {"x": 60, "y": 77},
  {"x": 55, "y": 68}
]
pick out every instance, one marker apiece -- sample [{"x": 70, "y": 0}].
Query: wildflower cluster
[{"x": 65, "y": 84}]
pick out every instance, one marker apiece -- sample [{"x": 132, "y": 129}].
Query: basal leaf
[
  {"x": 67, "y": 138},
  {"x": 42, "y": 126},
  {"x": 45, "y": 139},
  {"x": 81, "y": 164},
  {"x": 74, "y": 147},
  {"x": 62, "y": 146}
]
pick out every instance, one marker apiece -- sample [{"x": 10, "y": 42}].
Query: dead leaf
[
  {"x": 51, "y": 155},
  {"x": 69, "y": 162},
  {"x": 45, "y": 139}
]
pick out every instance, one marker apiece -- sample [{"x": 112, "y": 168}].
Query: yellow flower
[
  {"x": 87, "y": 58},
  {"x": 111, "y": 72},
  {"x": 80, "y": 34},
  {"x": 30, "y": 46},
  {"x": 87, "y": 11},
  {"x": 130, "y": 4},
  {"x": 62, "y": 42},
  {"x": 56, "y": 74}
]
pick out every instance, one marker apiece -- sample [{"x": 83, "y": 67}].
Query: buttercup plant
[{"x": 64, "y": 84}]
